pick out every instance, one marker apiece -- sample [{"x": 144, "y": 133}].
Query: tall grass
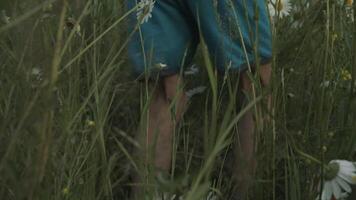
[{"x": 70, "y": 111}]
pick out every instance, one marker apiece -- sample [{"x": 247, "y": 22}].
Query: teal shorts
[{"x": 236, "y": 32}]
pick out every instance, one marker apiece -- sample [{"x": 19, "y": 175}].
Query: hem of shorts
[
  {"x": 170, "y": 72},
  {"x": 244, "y": 66},
  {"x": 159, "y": 74}
]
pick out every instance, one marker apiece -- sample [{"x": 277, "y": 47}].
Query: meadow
[{"x": 70, "y": 109}]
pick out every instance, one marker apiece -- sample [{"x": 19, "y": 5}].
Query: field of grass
[{"x": 70, "y": 109}]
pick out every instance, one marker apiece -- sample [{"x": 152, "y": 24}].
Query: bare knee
[
  {"x": 246, "y": 82},
  {"x": 265, "y": 74},
  {"x": 158, "y": 98},
  {"x": 174, "y": 93},
  {"x": 173, "y": 86}
]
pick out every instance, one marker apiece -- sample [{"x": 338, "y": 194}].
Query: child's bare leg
[
  {"x": 246, "y": 160},
  {"x": 157, "y": 143},
  {"x": 172, "y": 97}
]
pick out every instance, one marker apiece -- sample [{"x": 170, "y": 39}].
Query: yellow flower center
[
  {"x": 65, "y": 191},
  {"x": 90, "y": 123},
  {"x": 331, "y": 171},
  {"x": 348, "y": 2},
  {"x": 346, "y": 75},
  {"x": 279, "y": 5}
]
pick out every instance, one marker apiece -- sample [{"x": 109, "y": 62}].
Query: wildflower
[
  {"x": 350, "y": 13},
  {"x": 194, "y": 91},
  {"x": 161, "y": 65},
  {"x": 339, "y": 174},
  {"x": 72, "y": 24},
  {"x": 65, "y": 191},
  {"x": 279, "y": 8},
  {"x": 192, "y": 70},
  {"x": 345, "y": 75},
  {"x": 144, "y": 10},
  {"x": 36, "y": 76},
  {"x": 334, "y": 36},
  {"x": 349, "y": 2},
  {"x": 290, "y": 95},
  {"x": 325, "y": 149},
  {"x": 36, "y": 71},
  {"x": 90, "y": 123},
  {"x": 297, "y": 23},
  {"x": 331, "y": 134},
  {"x": 325, "y": 84},
  {"x": 4, "y": 17}
]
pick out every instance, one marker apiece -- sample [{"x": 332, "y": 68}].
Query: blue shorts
[{"x": 236, "y": 32}]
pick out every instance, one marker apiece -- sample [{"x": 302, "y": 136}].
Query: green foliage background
[{"x": 69, "y": 109}]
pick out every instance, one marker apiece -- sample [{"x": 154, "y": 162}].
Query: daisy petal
[
  {"x": 194, "y": 91},
  {"x": 346, "y": 178},
  {"x": 346, "y": 164},
  {"x": 347, "y": 170},
  {"x": 336, "y": 189},
  {"x": 344, "y": 195},
  {"x": 350, "y": 175},
  {"x": 343, "y": 184},
  {"x": 327, "y": 191}
]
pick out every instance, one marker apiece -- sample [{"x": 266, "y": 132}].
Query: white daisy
[
  {"x": 350, "y": 13},
  {"x": 161, "y": 65},
  {"x": 36, "y": 71},
  {"x": 297, "y": 24},
  {"x": 339, "y": 175},
  {"x": 144, "y": 10},
  {"x": 279, "y": 8},
  {"x": 290, "y": 95},
  {"x": 325, "y": 84},
  {"x": 194, "y": 91},
  {"x": 192, "y": 70}
]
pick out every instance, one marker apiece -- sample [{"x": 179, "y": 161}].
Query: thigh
[
  {"x": 236, "y": 31},
  {"x": 164, "y": 43}
]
